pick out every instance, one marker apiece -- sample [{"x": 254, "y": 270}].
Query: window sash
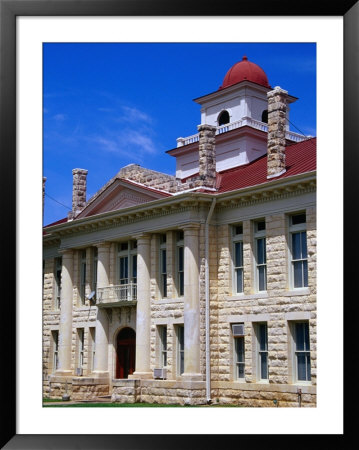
[
  {"x": 180, "y": 369},
  {"x": 94, "y": 271},
  {"x": 93, "y": 346},
  {"x": 240, "y": 357},
  {"x": 302, "y": 351},
  {"x": 163, "y": 272},
  {"x": 263, "y": 351},
  {"x": 299, "y": 259},
  {"x": 58, "y": 271},
  {"x": 163, "y": 341},
  {"x": 55, "y": 361},
  {"x": 180, "y": 270},
  {"x": 127, "y": 262},
  {"x": 238, "y": 267},
  {"x": 83, "y": 281},
  {"x": 261, "y": 263},
  {"x": 81, "y": 337}
]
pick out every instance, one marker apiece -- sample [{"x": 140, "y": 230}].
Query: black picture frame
[{"x": 9, "y": 10}]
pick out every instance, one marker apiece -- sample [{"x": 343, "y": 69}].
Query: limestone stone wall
[
  {"x": 169, "y": 183},
  {"x": 83, "y": 317},
  {"x": 279, "y": 306},
  {"x": 50, "y": 319},
  {"x": 207, "y": 155},
  {"x": 151, "y": 178},
  {"x": 165, "y": 311},
  {"x": 78, "y": 190},
  {"x": 277, "y": 121},
  {"x": 159, "y": 391}
]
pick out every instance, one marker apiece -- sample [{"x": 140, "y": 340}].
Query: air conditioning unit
[
  {"x": 79, "y": 371},
  {"x": 238, "y": 329},
  {"x": 160, "y": 374}
]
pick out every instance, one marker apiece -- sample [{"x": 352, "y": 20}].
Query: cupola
[{"x": 245, "y": 71}]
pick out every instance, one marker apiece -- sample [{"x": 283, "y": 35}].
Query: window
[
  {"x": 55, "y": 352},
  {"x": 57, "y": 276},
  {"x": 265, "y": 116},
  {"x": 127, "y": 269},
  {"x": 92, "y": 349},
  {"x": 239, "y": 357},
  {"x": 262, "y": 351},
  {"x": 163, "y": 266},
  {"x": 260, "y": 255},
  {"x": 299, "y": 256},
  {"x": 162, "y": 331},
  {"x": 302, "y": 351},
  {"x": 180, "y": 263},
  {"x": 83, "y": 277},
  {"x": 223, "y": 118},
  {"x": 238, "y": 283},
  {"x": 180, "y": 349},
  {"x": 94, "y": 269},
  {"x": 81, "y": 347}
]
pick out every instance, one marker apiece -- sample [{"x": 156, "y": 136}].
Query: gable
[{"x": 120, "y": 194}]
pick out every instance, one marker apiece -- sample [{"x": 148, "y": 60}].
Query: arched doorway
[{"x": 125, "y": 353}]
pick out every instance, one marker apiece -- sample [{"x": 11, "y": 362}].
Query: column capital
[
  {"x": 142, "y": 237},
  {"x": 102, "y": 245},
  {"x": 191, "y": 227},
  {"x": 66, "y": 252}
]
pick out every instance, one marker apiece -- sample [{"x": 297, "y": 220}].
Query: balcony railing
[
  {"x": 290, "y": 135},
  {"x": 118, "y": 294}
]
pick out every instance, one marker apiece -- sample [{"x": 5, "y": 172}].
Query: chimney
[
  {"x": 78, "y": 191},
  {"x": 277, "y": 117},
  {"x": 207, "y": 155},
  {"x": 43, "y": 195}
]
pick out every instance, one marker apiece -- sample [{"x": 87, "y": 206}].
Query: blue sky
[{"x": 109, "y": 105}]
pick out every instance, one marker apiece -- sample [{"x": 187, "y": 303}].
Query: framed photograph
[{"x": 85, "y": 50}]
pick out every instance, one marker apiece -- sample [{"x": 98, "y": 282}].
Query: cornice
[
  {"x": 268, "y": 192},
  {"x": 132, "y": 215},
  {"x": 272, "y": 190}
]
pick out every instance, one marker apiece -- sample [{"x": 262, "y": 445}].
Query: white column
[
  {"x": 65, "y": 329},
  {"x": 191, "y": 304},
  {"x": 102, "y": 325},
  {"x": 143, "y": 315}
]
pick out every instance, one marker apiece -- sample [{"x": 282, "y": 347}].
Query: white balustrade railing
[
  {"x": 245, "y": 121},
  {"x": 117, "y": 293}
]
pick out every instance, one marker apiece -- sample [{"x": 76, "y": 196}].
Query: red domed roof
[{"x": 245, "y": 71}]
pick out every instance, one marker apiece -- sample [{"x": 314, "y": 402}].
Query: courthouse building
[{"x": 198, "y": 287}]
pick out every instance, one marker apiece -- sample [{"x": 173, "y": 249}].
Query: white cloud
[
  {"x": 134, "y": 115},
  {"x": 143, "y": 142},
  {"x": 59, "y": 117}
]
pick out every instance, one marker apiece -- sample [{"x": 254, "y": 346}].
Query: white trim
[
  {"x": 168, "y": 321},
  {"x": 250, "y": 318},
  {"x": 297, "y": 315},
  {"x": 258, "y": 295},
  {"x": 297, "y": 291}
]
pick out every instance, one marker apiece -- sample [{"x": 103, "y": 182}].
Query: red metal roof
[
  {"x": 245, "y": 71},
  {"x": 300, "y": 158},
  {"x": 57, "y": 222},
  {"x": 54, "y": 223}
]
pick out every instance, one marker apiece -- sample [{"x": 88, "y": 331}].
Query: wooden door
[{"x": 126, "y": 353}]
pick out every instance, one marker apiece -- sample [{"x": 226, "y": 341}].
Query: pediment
[{"x": 119, "y": 195}]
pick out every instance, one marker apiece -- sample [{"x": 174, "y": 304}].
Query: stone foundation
[
  {"x": 88, "y": 389},
  {"x": 172, "y": 392}
]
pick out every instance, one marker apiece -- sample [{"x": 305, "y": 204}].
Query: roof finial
[{"x": 244, "y": 58}]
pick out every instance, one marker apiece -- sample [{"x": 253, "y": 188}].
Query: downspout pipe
[{"x": 208, "y": 358}]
